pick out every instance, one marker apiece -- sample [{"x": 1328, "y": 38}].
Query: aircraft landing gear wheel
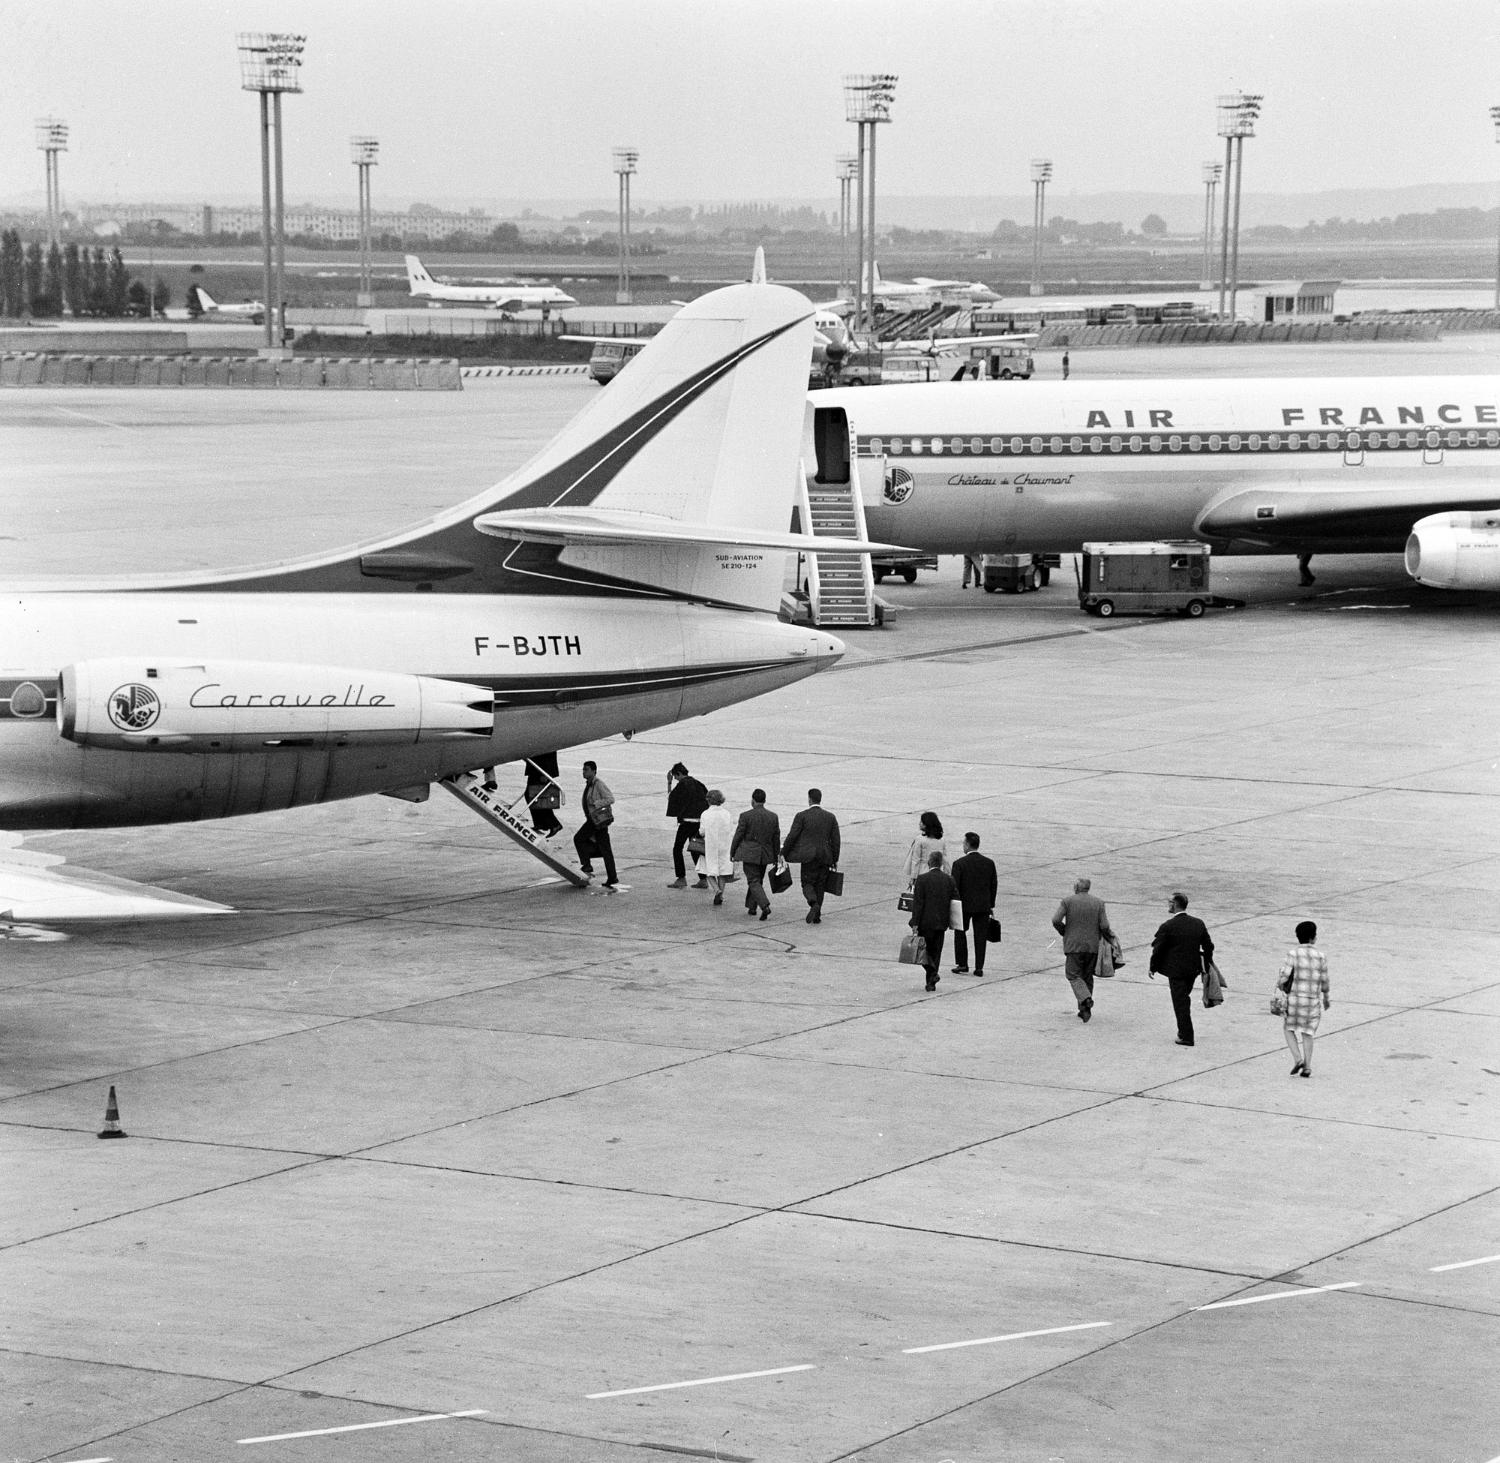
[
  {"x": 1006, "y": 374},
  {"x": 1194, "y": 609},
  {"x": 910, "y": 576},
  {"x": 1105, "y": 609}
]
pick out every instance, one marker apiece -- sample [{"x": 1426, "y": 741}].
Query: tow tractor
[{"x": 1017, "y": 573}]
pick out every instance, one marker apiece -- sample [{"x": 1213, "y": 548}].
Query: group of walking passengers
[{"x": 939, "y": 896}]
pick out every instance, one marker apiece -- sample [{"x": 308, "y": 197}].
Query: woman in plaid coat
[{"x": 1306, "y": 996}]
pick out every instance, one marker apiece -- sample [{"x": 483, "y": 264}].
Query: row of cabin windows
[{"x": 1345, "y": 441}]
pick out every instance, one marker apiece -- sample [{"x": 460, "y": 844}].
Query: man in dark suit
[
  {"x": 813, "y": 842},
  {"x": 1181, "y": 951},
  {"x": 978, "y": 886},
  {"x": 756, "y": 843},
  {"x": 932, "y": 895}
]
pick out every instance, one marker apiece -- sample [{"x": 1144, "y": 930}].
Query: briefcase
[
  {"x": 906, "y": 901},
  {"x": 913, "y": 950},
  {"x": 544, "y": 795},
  {"x": 833, "y": 882},
  {"x": 992, "y": 932},
  {"x": 780, "y": 879}
]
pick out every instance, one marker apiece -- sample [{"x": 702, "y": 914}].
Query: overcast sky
[{"x": 741, "y": 99}]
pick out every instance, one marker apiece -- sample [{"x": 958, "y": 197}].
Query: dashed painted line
[
  {"x": 359, "y": 1427},
  {"x": 994, "y": 1340},
  {"x": 776, "y": 1371},
  {"x": 1255, "y": 1300},
  {"x": 1464, "y": 1265}
]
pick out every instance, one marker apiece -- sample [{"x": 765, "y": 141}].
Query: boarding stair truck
[{"x": 1144, "y": 578}]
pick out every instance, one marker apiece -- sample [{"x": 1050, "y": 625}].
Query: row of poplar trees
[{"x": 73, "y": 280}]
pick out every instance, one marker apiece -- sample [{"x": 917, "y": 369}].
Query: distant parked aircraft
[
  {"x": 509, "y": 296},
  {"x": 252, "y": 310}
]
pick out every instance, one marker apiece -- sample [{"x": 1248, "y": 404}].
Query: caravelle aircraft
[
  {"x": 509, "y": 296},
  {"x": 252, "y": 310},
  {"x": 1359, "y": 465},
  {"x": 627, "y": 577}
]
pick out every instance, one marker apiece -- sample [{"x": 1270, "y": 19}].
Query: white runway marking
[
  {"x": 91, "y": 1460},
  {"x": 1464, "y": 1265},
  {"x": 777, "y": 1371},
  {"x": 1014, "y": 1336},
  {"x": 1252, "y": 1300},
  {"x": 359, "y": 1427},
  {"x": 68, "y": 411}
]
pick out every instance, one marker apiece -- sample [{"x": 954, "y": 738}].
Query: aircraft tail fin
[
  {"x": 205, "y": 300},
  {"x": 415, "y": 274},
  {"x": 678, "y": 480}
]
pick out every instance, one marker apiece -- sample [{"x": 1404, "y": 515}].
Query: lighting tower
[
  {"x": 271, "y": 63},
  {"x": 364, "y": 152},
  {"x": 867, "y": 103},
  {"x": 1041, "y": 173},
  {"x": 1237, "y": 113},
  {"x": 1211, "y": 175},
  {"x": 847, "y": 168},
  {"x": 625, "y": 159},
  {"x": 1495, "y": 118},
  {"x": 51, "y": 139}
]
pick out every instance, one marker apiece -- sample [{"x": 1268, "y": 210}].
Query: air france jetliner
[
  {"x": 627, "y": 577},
  {"x": 509, "y": 296},
  {"x": 252, "y": 310},
  {"x": 1361, "y": 465}
]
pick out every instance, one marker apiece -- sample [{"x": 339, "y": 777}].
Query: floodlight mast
[
  {"x": 625, "y": 159},
  {"x": 1237, "y": 113},
  {"x": 868, "y": 97},
  {"x": 846, "y": 167},
  {"x": 1495, "y": 118},
  {"x": 1211, "y": 175},
  {"x": 271, "y": 63},
  {"x": 1041, "y": 173},
  {"x": 364, "y": 152},
  {"x": 51, "y": 139}
]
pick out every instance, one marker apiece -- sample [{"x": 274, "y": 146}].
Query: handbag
[
  {"x": 1278, "y": 1004},
  {"x": 544, "y": 795},
  {"x": 602, "y": 818},
  {"x": 906, "y": 901},
  {"x": 913, "y": 949},
  {"x": 695, "y": 847},
  {"x": 992, "y": 932},
  {"x": 833, "y": 882},
  {"x": 780, "y": 879},
  {"x": 955, "y": 914}
]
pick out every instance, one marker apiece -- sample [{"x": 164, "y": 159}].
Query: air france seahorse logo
[
  {"x": 898, "y": 484},
  {"x": 134, "y": 707}
]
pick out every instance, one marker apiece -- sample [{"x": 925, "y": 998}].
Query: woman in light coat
[
  {"x": 717, "y": 827},
  {"x": 927, "y": 842}
]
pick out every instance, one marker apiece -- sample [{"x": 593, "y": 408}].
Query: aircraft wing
[
  {"x": 34, "y": 888},
  {"x": 594, "y": 526},
  {"x": 1308, "y": 515},
  {"x": 947, "y": 345}
]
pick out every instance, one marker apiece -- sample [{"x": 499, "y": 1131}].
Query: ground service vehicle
[
  {"x": 1017, "y": 573},
  {"x": 905, "y": 566},
  {"x": 1144, "y": 578},
  {"x": 609, "y": 356}
]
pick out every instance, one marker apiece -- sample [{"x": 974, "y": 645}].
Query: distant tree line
[
  {"x": 75, "y": 280},
  {"x": 1442, "y": 223}
]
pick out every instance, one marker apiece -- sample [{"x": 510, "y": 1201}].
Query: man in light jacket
[
  {"x": 813, "y": 842},
  {"x": 757, "y": 842},
  {"x": 1082, "y": 922}
]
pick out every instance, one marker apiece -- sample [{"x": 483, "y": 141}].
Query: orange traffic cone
[{"x": 112, "y": 1128}]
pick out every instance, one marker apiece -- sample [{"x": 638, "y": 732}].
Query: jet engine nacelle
[
  {"x": 1456, "y": 550},
  {"x": 239, "y": 706}
]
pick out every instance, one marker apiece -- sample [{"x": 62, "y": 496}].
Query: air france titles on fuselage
[{"x": 1154, "y": 429}]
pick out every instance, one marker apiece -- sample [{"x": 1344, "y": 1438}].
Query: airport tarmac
[{"x": 434, "y": 1157}]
